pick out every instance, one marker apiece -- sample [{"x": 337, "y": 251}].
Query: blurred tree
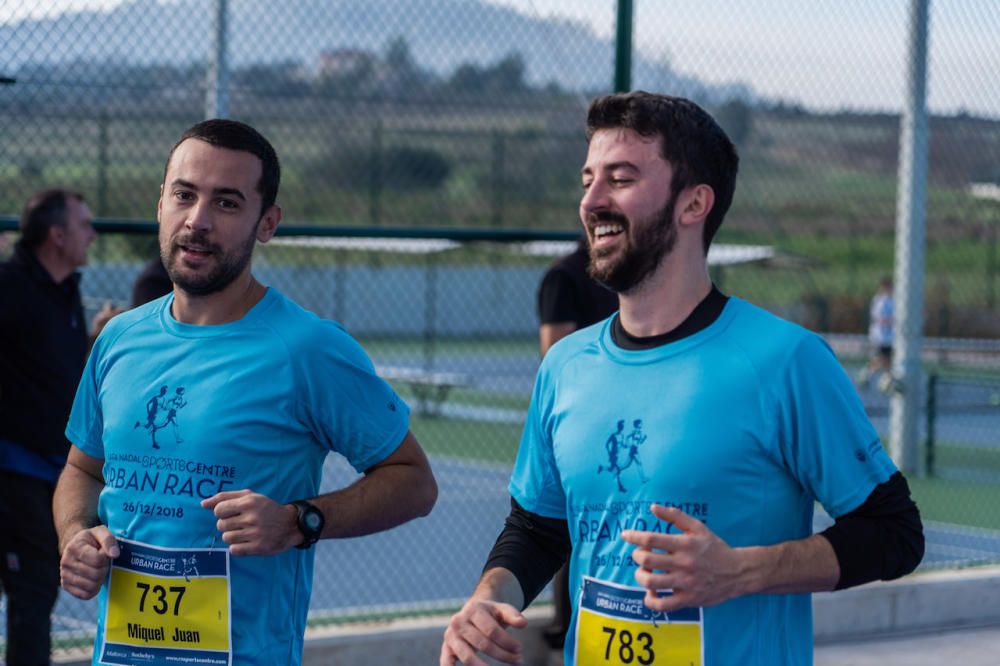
[
  {"x": 467, "y": 78},
  {"x": 736, "y": 117},
  {"x": 400, "y": 75},
  {"x": 505, "y": 76},
  {"x": 277, "y": 80},
  {"x": 508, "y": 74}
]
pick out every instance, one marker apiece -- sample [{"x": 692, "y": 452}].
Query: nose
[
  {"x": 199, "y": 217},
  {"x": 595, "y": 198}
]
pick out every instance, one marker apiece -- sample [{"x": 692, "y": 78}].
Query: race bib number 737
[{"x": 167, "y": 606}]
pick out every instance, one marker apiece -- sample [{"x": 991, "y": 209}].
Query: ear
[
  {"x": 269, "y": 223},
  {"x": 159, "y": 205},
  {"x": 57, "y": 235},
  {"x": 695, "y": 203}
]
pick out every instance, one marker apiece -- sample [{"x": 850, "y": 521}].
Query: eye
[
  {"x": 229, "y": 204},
  {"x": 183, "y": 195}
]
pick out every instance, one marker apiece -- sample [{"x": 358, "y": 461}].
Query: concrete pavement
[{"x": 964, "y": 647}]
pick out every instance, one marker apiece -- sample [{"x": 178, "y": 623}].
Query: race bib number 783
[{"x": 615, "y": 628}]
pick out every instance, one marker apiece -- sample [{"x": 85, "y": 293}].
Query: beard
[
  {"x": 228, "y": 265},
  {"x": 652, "y": 241}
]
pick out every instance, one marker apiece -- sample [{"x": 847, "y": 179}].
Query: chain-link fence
[{"x": 468, "y": 116}]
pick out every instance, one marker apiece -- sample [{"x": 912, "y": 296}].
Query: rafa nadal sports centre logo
[
  {"x": 161, "y": 411},
  {"x": 623, "y": 452}
]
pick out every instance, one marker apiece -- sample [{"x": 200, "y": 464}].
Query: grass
[
  {"x": 977, "y": 460},
  {"x": 461, "y": 347},
  {"x": 478, "y": 441},
  {"x": 490, "y": 399},
  {"x": 958, "y": 502}
]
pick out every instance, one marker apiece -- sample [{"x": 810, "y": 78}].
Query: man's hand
[
  {"x": 480, "y": 628},
  {"x": 85, "y": 560},
  {"x": 254, "y": 524},
  {"x": 700, "y": 568}
]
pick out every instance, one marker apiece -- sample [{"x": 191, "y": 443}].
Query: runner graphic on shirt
[
  {"x": 623, "y": 452},
  {"x": 634, "y": 440},
  {"x": 176, "y": 403},
  {"x": 156, "y": 419}
]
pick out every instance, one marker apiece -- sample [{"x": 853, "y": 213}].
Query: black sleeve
[
  {"x": 882, "y": 539},
  {"x": 558, "y": 300},
  {"x": 532, "y": 547}
]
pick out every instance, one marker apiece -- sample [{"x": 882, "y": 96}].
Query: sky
[
  {"x": 824, "y": 54},
  {"x": 827, "y": 54}
]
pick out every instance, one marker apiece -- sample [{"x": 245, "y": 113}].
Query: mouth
[
  {"x": 607, "y": 229},
  {"x": 194, "y": 251},
  {"x": 605, "y": 233}
]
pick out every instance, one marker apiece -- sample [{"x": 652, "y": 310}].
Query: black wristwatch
[{"x": 310, "y": 523}]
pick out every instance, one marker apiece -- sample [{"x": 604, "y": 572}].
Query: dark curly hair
[{"x": 690, "y": 140}]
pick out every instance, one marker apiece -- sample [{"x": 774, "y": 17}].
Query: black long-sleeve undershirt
[
  {"x": 532, "y": 547},
  {"x": 880, "y": 540}
]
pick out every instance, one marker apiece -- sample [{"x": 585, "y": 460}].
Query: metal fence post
[
  {"x": 499, "y": 148},
  {"x": 430, "y": 312},
  {"x": 623, "y": 47},
  {"x": 217, "y": 88},
  {"x": 991, "y": 261},
  {"x": 375, "y": 175},
  {"x": 102, "y": 163},
  {"x": 932, "y": 381},
  {"x": 911, "y": 216}
]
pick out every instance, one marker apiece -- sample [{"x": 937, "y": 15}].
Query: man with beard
[
  {"x": 747, "y": 420},
  {"x": 262, "y": 391}
]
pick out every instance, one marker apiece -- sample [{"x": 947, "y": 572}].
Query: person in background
[
  {"x": 880, "y": 334},
  {"x": 43, "y": 347},
  {"x": 152, "y": 283},
  {"x": 568, "y": 300}
]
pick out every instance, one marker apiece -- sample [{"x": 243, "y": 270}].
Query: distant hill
[{"x": 442, "y": 34}]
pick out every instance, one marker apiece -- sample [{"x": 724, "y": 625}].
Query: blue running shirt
[
  {"x": 743, "y": 425},
  {"x": 179, "y": 413}
]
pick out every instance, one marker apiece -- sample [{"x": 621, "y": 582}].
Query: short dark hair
[
  {"x": 234, "y": 135},
  {"x": 690, "y": 140},
  {"x": 44, "y": 210}
]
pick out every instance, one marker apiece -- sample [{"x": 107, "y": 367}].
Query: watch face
[{"x": 312, "y": 520}]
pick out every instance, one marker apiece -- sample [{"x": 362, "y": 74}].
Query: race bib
[
  {"x": 615, "y": 628},
  {"x": 168, "y": 606}
]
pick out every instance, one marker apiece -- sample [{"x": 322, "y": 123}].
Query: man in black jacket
[{"x": 43, "y": 348}]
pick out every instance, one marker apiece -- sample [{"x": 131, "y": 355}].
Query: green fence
[
  {"x": 469, "y": 115},
  {"x": 449, "y": 319},
  {"x": 458, "y": 127}
]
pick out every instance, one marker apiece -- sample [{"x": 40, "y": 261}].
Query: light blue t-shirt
[
  {"x": 742, "y": 425},
  {"x": 180, "y": 412}
]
